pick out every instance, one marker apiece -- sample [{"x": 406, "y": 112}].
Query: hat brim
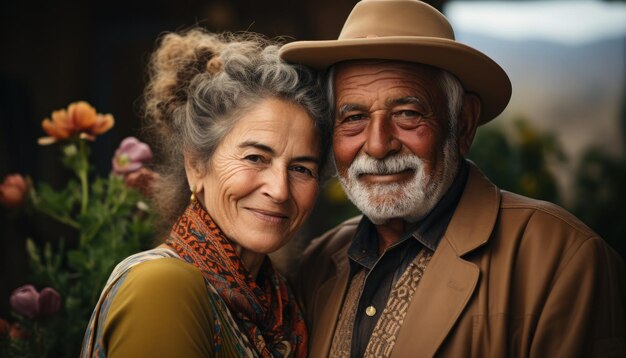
[{"x": 477, "y": 72}]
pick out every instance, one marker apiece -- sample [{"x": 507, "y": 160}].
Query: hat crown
[{"x": 383, "y": 18}]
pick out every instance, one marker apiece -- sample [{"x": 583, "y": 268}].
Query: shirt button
[{"x": 370, "y": 311}]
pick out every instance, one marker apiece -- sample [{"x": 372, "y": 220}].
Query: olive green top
[{"x": 162, "y": 308}]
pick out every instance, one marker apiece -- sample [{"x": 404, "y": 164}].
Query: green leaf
[
  {"x": 77, "y": 258},
  {"x": 33, "y": 252}
]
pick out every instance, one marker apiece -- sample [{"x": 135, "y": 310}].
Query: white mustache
[{"x": 365, "y": 164}]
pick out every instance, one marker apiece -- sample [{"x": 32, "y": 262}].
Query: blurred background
[{"x": 561, "y": 138}]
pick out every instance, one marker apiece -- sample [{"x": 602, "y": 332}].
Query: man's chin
[{"x": 378, "y": 221}]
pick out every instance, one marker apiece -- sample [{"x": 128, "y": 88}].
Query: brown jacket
[{"x": 512, "y": 277}]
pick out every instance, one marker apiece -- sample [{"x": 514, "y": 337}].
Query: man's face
[{"x": 393, "y": 148}]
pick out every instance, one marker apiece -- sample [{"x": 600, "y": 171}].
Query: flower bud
[
  {"x": 25, "y": 301},
  {"x": 70, "y": 150},
  {"x": 13, "y": 191},
  {"x": 49, "y": 302},
  {"x": 143, "y": 180},
  {"x": 4, "y": 328},
  {"x": 16, "y": 332}
]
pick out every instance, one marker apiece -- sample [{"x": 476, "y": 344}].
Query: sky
[{"x": 568, "y": 22}]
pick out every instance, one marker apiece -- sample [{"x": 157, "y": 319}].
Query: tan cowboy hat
[{"x": 413, "y": 31}]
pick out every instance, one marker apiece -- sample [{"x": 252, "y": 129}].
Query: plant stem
[
  {"x": 82, "y": 175},
  {"x": 113, "y": 209},
  {"x": 63, "y": 219}
]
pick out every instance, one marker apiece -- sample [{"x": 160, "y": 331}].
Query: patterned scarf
[{"x": 267, "y": 312}]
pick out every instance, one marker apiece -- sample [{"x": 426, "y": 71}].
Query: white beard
[{"x": 410, "y": 201}]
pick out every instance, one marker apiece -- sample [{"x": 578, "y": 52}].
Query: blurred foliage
[
  {"x": 601, "y": 196},
  {"x": 519, "y": 160},
  {"x": 112, "y": 227},
  {"x": 108, "y": 221}
]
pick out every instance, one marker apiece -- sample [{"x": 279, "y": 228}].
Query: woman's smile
[{"x": 273, "y": 217}]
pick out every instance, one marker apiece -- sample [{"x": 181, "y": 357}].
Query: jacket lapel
[
  {"x": 332, "y": 293},
  {"x": 449, "y": 281}
]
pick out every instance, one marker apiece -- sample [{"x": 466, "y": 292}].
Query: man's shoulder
[
  {"x": 542, "y": 213},
  {"x": 323, "y": 250},
  {"x": 322, "y": 259},
  {"x": 336, "y": 238}
]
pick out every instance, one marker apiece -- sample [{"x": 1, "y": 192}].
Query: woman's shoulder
[
  {"x": 163, "y": 285},
  {"x": 166, "y": 297},
  {"x": 170, "y": 298},
  {"x": 167, "y": 273}
]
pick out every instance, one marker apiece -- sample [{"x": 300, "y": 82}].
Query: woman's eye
[
  {"x": 254, "y": 158},
  {"x": 303, "y": 170}
]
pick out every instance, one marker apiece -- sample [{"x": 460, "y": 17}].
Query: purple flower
[
  {"x": 130, "y": 156},
  {"x": 29, "y": 303},
  {"x": 25, "y": 301},
  {"x": 49, "y": 302}
]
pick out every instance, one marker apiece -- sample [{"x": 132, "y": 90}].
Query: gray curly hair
[{"x": 200, "y": 85}]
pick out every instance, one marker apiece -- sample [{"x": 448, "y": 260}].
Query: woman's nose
[{"x": 276, "y": 184}]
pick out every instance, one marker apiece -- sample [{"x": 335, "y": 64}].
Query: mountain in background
[{"x": 576, "y": 92}]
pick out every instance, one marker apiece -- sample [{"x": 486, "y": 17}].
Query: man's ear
[{"x": 468, "y": 122}]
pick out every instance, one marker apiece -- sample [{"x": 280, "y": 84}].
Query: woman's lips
[{"x": 269, "y": 216}]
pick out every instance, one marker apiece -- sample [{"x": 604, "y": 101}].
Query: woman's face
[{"x": 262, "y": 180}]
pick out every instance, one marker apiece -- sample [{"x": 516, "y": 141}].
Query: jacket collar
[
  {"x": 449, "y": 280},
  {"x": 475, "y": 216}
]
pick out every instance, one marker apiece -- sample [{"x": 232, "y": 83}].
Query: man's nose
[
  {"x": 276, "y": 184},
  {"x": 381, "y": 140}
]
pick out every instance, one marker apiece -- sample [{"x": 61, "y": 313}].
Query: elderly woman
[{"x": 243, "y": 143}]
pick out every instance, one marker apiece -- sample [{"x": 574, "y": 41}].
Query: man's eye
[
  {"x": 354, "y": 117},
  {"x": 406, "y": 113}
]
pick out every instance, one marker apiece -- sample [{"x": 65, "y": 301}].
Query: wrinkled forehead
[
  {"x": 369, "y": 78},
  {"x": 361, "y": 68}
]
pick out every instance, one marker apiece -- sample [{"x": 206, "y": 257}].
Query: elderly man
[{"x": 442, "y": 262}]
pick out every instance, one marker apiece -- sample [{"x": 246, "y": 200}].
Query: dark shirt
[{"x": 385, "y": 270}]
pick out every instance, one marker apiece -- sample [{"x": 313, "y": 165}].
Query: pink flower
[
  {"x": 25, "y": 301},
  {"x": 49, "y": 302},
  {"x": 13, "y": 191},
  {"x": 130, "y": 156},
  {"x": 29, "y": 303}
]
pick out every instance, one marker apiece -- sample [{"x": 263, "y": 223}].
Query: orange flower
[
  {"x": 79, "y": 118},
  {"x": 13, "y": 191}
]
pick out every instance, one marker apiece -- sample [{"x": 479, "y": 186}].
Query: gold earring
[{"x": 193, "y": 194}]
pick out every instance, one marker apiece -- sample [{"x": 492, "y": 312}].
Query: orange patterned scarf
[{"x": 265, "y": 309}]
